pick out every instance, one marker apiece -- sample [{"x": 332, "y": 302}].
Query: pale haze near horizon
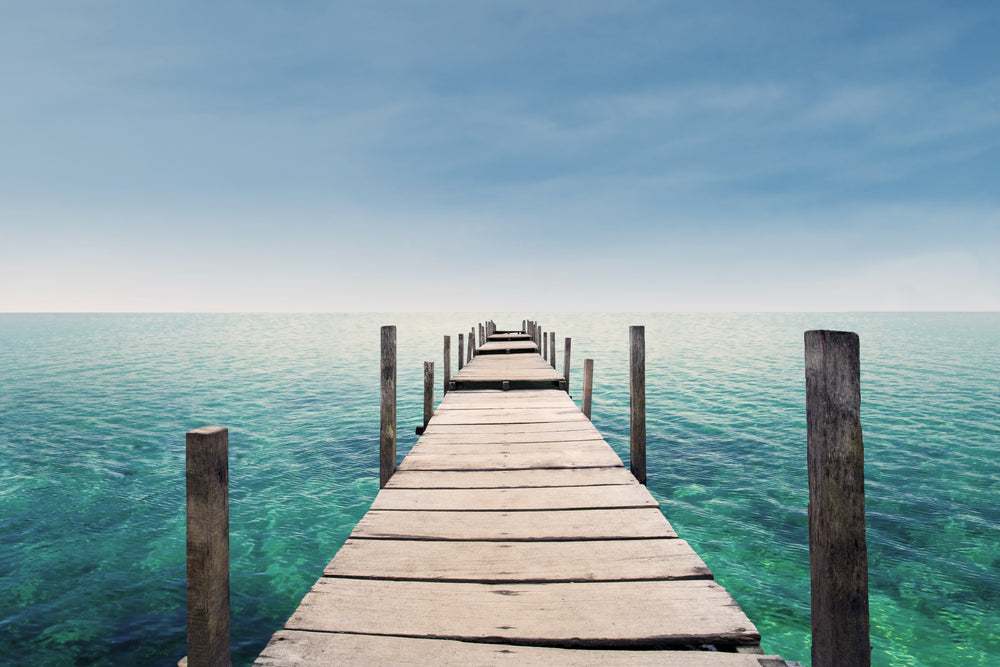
[{"x": 511, "y": 156}]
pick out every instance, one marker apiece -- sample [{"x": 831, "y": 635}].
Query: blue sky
[{"x": 516, "y": 156}]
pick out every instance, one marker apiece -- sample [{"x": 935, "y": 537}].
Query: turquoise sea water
[{"x": 93, "y": 411}]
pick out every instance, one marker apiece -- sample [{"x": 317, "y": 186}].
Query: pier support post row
[
  {"x": 447, "y": 364},
  {"x": 387, "y": 430},
  {"x": 838, "y": 555},
  {"x": 637, "y": 402},
  {"x": 207, "y": 453},
  {"x": 566, "y": 363},
  {"x": 588, "y": 386}
]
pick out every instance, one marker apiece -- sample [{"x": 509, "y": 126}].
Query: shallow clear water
[{"x": 93, "y": 411}]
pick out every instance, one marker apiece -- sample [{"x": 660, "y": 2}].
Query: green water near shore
[{"x": 93, "y": 410}]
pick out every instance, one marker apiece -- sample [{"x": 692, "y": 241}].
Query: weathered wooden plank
[
  {"x": 645, "y": 523},
  {"x": 503, "y": 346},
  {"x": 472, "y": 438},
  {"x": 511, "y": 460},
  {"x": 515, "y": 403},
  {"x": 568, "y": 440},
  {"x": 492, "y": 396},
  {"x": 510, "y": 417},
  {"x": 508, "y": 336},
  {"x": 582, "y": 425},
  {"x": 295, "y": 647},
  {"x": 507, "y": 499},
  {"x": 593, "y": 453},
  {"x": 498, "y": 479},
  {"x": 493, "y": 562},
  {"x": 606, "y": 614}
]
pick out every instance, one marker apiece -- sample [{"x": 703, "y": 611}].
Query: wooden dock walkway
[{"x": 512, "y": 533}]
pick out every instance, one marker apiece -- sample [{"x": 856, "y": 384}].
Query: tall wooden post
[
  {"x": 588, "y": 385},
  {"x": 552, "y": 348},
  {"x": 207, "y": 453},
  {"x": 428, "y": 391},
  {"x": 566, "y": 363},
  {"x": 545, "y": 347},
  {"x": 472, "y": 345},
  {"x": 838, "y": 554},
  {"x": 387, "y": 431},
  {"x": 637, "y": 402},
  {"x": 461, "y": 351},
  {"x": 482, "y": 335},
  {"x": 524, "y": 326},
  {"x": 447, "y": 364}
]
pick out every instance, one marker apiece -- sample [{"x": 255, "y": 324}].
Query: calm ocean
[{"x": 93, "y": 411}]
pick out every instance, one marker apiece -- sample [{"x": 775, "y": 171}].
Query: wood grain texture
[
  {"x": 499, "y": 479},
  {"x": 508, "y": 499},
  {"x": 646, "y": 613},
  {"x": 207, "y": 482},
  {"x": 428, "y": 391},
  {"x": 446, "y": 369},
  {"x": 836, "y": 461},
  {"x": 524, "y": 562},
  {"x": 554, "y": 525},
  {"x": 637, "y": 402},
  {"x": 295, "y": 647},
  {"x": 387, "y": 414}
]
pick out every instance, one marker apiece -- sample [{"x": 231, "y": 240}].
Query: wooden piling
[
  {"x": 447, "y": 364},
  {"x": 588, "y": 386},
  {"x": 838, "y": 555},
  {"x": 461, "y": 351},
  {"x": 545, "y": 347},
  {"x": 637, "y": 402},
  {"x": 472, "y": 345},
  {"x": 207, "y": 481},
  {"x": 566, "y": 362},
  {"x": 552, "y": 348},
  {"x": 387, "y": 430},
  {"x": 428, "y": 391}
]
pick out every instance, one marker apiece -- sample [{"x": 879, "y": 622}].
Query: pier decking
[{"x": 512, "y": 533}]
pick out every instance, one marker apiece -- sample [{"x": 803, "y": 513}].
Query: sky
[{"x": 499, "y": 156}]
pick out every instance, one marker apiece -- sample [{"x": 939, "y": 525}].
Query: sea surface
[{"x": 93, "y": 411}]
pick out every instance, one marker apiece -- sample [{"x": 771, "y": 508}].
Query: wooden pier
[{"x": 512, "y": 533}]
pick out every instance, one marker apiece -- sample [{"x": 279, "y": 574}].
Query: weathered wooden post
[
  {"x": 637, "y": 402},
  {"x": 545, "y": 347},
  {"x": 552, "y": 348},
  {"x": 428, "y": 394},
  {"x": 387, "y": 430},
  {"x": 447, "y": 364},
  {"x": 838, "y": 555},
  {"x": 566, "y": 363},
  {"x": 588, "y": 385},
  {"x": 524, "y": 326},
  {"x": 472, "y": 345},
  {"x": 482, "y": 335},
  {"x": 207, "y": 453},
  {"x": 461, "y": 350}
]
